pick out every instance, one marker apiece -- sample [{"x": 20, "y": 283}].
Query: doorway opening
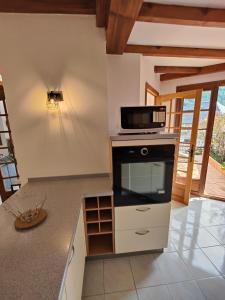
[
  {"x": 215, "y": 177},
  {"x": 8, "y": 165},
  {"x": 208, "y": 178}
]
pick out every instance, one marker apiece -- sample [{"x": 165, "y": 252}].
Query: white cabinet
[
  {"x": 142, "y": 227},
  {"x": 75, "y": 273},
  {"x": 133, "y": 217}
]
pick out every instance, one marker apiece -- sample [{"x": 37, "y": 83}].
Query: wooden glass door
[{"x": 183, "y": 111}]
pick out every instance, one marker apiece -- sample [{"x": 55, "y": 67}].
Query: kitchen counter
[{"x": 33, "y": 263}]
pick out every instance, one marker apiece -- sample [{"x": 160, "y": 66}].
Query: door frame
[{"x": 214, "y": 87}]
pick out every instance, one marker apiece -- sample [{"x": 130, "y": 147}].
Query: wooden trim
[
  {"x": 151, "y": 90},
  {"x": 148, "y": 50},
  {"x": 182, "y": 15},
  {"x": 200, "y": 71},
  {"x": 122, "y": 16},
  {"x": 175, "y": 95},
  {"x": 176, "y": 70},
  {"x": 49, "y": 7},
  {"x": 193, "y": 144},
  {"x": 202, "y": 85},
  {"x": 166, "y": 77},
  {"x": 102, "y": 12}
]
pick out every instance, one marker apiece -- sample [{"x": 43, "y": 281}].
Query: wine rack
[{"x": 99, "y": 224}]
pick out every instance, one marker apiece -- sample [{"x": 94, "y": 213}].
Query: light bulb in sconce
[{"x": 53, "y": 99}]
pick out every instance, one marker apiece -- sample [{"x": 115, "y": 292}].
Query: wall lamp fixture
[{"x": 53, "y": 99}]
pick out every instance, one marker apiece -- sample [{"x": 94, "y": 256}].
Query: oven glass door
[{"x": 143, "y": 181}]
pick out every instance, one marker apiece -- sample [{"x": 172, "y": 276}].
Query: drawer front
[
  {"x": 131, "y": 217},
  {"x": 141, "y": 239}
]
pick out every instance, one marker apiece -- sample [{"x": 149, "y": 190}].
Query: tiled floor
[{"x": 191, "y": 268}]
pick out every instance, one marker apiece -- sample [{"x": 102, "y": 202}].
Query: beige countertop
[{"x": 33, "y": 262}]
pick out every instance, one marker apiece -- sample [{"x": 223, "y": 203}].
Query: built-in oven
[{"x": 142, "y": 174}]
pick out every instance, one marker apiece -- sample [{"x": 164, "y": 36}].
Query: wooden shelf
[
  {"x": 92, "y": 228},
  {"x": 100, "y": 244},
  {"x": 92, "y": 216},
  {"x": 105, "y": 202},
  {"x": 105, "y": 214},
  {"x": 91, "y": 203},
  {"x": 106, "y": 227},
  {"x": 99, "y": 217}
]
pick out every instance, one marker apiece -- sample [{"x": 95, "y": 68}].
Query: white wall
[
  {"x": 147, "y": 74},
  {"x": 43, "y": 52},
  {"x": 123, "y": 86}
]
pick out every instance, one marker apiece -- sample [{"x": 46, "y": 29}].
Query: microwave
[{"x": 142, "y": 119}]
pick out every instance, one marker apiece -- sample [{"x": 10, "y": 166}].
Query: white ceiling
[
  {"x": 145, "y": 33},
  {"x": 200, "y": 3},
  {"x": 157, "y": 34},
  {"x": 186, "y": 62}
]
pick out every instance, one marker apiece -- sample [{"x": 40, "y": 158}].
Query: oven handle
[
  {"x": 144, "y": 209},
  {"x": 142, "y": 232}
]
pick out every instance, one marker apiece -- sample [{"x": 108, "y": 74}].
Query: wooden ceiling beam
[
  {"x": 49, "y": 6},
  {"x": 202, "y": 71},
  {"x": 102, "y": 12},
  {"x": 182, "y": 15},
  {"x": 176, "y": 70},
  {"x": 122, "y": 16},
  {"x": 148, "y": 50}
]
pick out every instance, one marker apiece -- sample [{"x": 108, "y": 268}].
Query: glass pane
[
  {"x": 189, "y": 104},
  {"x": 182, "y": 159},
  {"x": 4, "y": 138},
  {"x": 187, "y": 119},
  {"x": 3, "y": 153},
  {"x": 3, "y": 124},
  {"x": 196, "y": 171},
  {"x": 198, "y": 154},
  {"x": 167, "y": 120},
  {"x": 185, "y": 135},
  {"x": 184, "y": 150},
  {"x": 8, "y": 182},
  {"x": 8, "y": 170},
  {"x": 2, "y": 109},
  {"x": 142, "y": 178},
  {"x": 218, "y": 137},
  {"x": 205, "y": 102},
  {"x": 201, "y": 138},
  {"x": 203, "y": 119},
  {"x": 182, "y": 166}
]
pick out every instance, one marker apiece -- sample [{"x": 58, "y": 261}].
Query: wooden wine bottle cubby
[{"x": 99, "y": 224}]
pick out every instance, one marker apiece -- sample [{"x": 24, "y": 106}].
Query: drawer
[
  {"x": 141, "y": 216},
  {"x": 141, "y": 239}
]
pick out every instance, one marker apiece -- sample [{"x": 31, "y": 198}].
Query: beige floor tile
[
  {"x": 93, "y": 278},
  {"x": 217, "y": 256},
  {"x": 213, "y": 288},
  {"x": 198, "y": 264},
  {"x": 145, "y": 270},
  {"x": 160, "y": 292},
  {"x": 118, "y": 275},
  {"x": 128, "y": 295},
  {"x": 187, "y": 290}
]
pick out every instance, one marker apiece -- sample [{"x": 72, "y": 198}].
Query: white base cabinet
[
  {"x": 75, "y": 273},
  {"x": 141, "y": 227}
]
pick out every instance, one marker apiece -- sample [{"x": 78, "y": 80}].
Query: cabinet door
[{"x": 75, "y": 273}]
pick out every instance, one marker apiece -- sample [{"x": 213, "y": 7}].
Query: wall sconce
[{"x": 53, "y": 99}]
